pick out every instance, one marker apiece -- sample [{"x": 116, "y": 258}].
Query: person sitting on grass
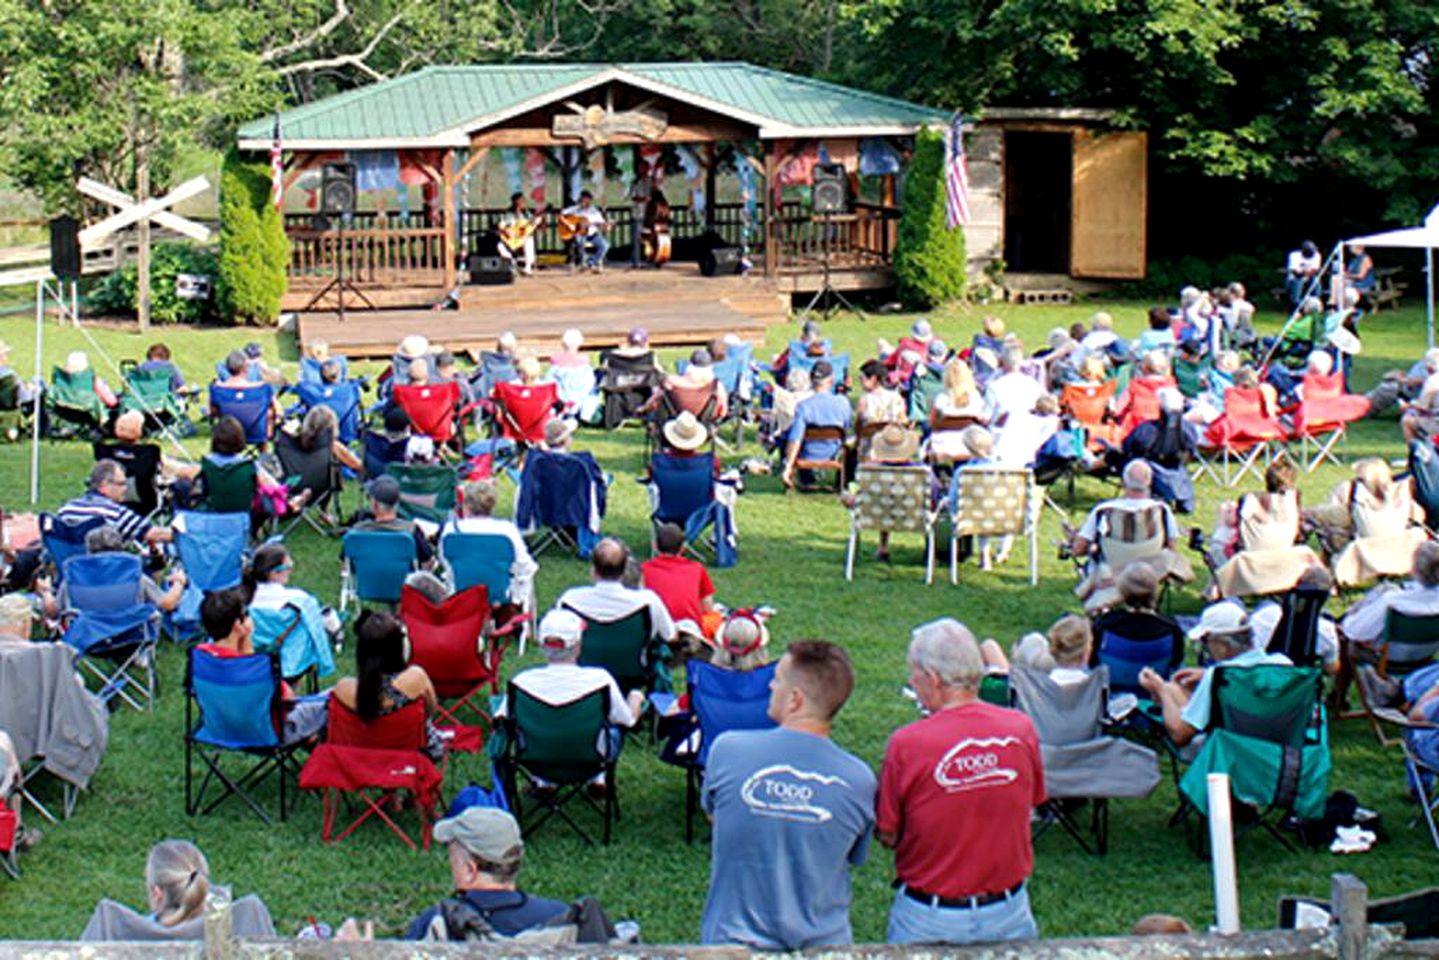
[
  {"x": 226, "y": 619},
  {"x": 683, "y": 585},
  {"x": 177, "y": 881},
  {"x": 384, "y": 683}
]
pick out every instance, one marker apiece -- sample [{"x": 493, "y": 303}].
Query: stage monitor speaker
[
  {"x": 337, "y": 189},
  {"x": 490, "y": 271},
  {"x": 65, "y": 259},
  {"x": 831, "y": 188},
  {"x": 721, "y": 261}
]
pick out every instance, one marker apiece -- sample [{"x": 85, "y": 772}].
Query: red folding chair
[
  {"x": 1326, "y": 410},
  {"x": 1140, "y": 403},
  {"x": 1240, "y": 436},
  {"x": 374, "y": 761},
  {"x": 451, "y": 642},
  {"x": 433, "y": 408},
  {"x": 523, "y": 410},
  {"x": 1088, "y": 404}
]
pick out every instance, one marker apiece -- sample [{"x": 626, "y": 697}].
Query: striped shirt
[{"x": 131, "y": 525}]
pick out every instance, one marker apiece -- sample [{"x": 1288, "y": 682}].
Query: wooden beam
[
  {"x": 477, "y": 154},
  {"x": 447, "y": 204},
  {"x": 675, "y": 133},
  {"x": 771, "y": 175}
]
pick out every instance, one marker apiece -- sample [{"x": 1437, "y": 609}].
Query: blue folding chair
[
  {"x": 736, "y": 374},
  {"x": 254, "y": 370},
  {"x": 249, "y": 405},
  {"x": 494, "y": 368},
  {"x": 343, "y": 398},
  {"x": 374, "y": 565},
  {"x": 685, "y": 492},
  {"x": 479, "y": 558},
  {"x": 720, "y": 700},
  {"x": 310, "y": 369},
  {"x": 1126, "y": 658},
  {"x": 239, "y": 706},
  {"x": 839, "y": 362},
  {"x": 380, "y": 451},
  {"x": 111, "y": 629},
  {"x": 65, "y": 538},
  {"x": 212, "y": 548},
  {"x": 565, "y": 494},
  {"x": 579, "y": 390}
]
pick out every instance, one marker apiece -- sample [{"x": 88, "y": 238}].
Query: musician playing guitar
[
  {"x": 517, "y": 233},
  {"x": 585, "y": 224}
]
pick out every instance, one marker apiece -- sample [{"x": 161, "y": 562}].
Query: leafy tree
[
  {"x": 929, "y": 261},
  {"x": 253, "y": 248}
]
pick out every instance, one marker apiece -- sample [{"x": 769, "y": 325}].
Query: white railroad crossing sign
[{"x": 132, "y": 211}]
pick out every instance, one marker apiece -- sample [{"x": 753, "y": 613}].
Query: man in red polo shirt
[
  {"x": 955, "y": 797},
  {"x": 682, "y": 584}
]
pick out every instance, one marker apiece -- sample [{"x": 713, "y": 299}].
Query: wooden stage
[{"x": 677, "y": 307}]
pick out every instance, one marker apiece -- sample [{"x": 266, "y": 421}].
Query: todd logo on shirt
[
  {"x": 784, "y": 792},
  {"x": 973, "y": 764}
]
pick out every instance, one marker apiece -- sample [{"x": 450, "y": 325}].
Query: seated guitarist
[
  {"x": 591, "y": 234},
  {"x": 517, "y": 233}
]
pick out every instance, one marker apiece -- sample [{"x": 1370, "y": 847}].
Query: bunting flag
[
  {"x": 513, "y": 160},
  {"x": 535, "y": 172},
  {"x": 277, "y": 169},
  {"x": 956, "y": 177}
]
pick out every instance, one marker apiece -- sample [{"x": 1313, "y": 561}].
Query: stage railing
[
  {"x": 728, "y": 222},
  {"x": 862, "y": 237},
  {"x": 381, "y": 255}
]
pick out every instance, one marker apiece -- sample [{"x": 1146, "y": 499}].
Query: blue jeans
[
  {"x": 599, "y": 245},
  {"x": 913, "y": 922}
]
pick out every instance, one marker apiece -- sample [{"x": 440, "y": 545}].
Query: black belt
[{"x": 960, "y": 903}]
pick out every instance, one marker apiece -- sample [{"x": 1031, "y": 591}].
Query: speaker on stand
[
  {"x": 829, "y": 196},
  {"x": 831, "y": 189},
  {"x": 337, "y": 204},
  {"x": 66, "y": 261}
]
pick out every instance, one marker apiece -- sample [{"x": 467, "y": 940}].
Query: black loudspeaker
[
  {"x": 721, "y": 261},
  {"x": 490, "y": 271},
  {"x": 831, "y": 188},
  {"x": 337, "y": 189},
  {"x": 65, "y": 259}
]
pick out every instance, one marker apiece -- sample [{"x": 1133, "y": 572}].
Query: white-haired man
[
  {"x": 955, "y": 798},
  {"x": 1186, "y": 697},
  {"x": 478, "y": 505},
  {"x": 1013, "y": 391},
  {"x": 1131, "y": 528}
]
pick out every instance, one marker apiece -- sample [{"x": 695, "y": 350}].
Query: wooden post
[
  {"x": 1348, "y": 904},
  {"x": 889, "y": 226},
  {"x": 771, "y": 239},
  {"x": 447, "y": 205},
  {"x": 142, "y": 236},
  {"x": 710, "y": 185}
]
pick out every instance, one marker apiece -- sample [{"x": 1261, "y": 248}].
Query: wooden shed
[{"x": 1058, "y": 193}]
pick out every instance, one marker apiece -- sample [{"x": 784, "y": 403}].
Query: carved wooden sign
[{"x": 597, "y": 126}]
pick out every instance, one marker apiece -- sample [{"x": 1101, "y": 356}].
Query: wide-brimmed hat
[
  {"x": 76, "y": 362},
  {"x": 557, "y": 431},
  {"x": 743, "y": 633},
  {"x": 684, "y": 432},
  {"x": 414, "y": 347},
  {"x": 894, "y": 443}
]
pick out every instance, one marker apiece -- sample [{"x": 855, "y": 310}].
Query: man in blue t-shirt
[
  {"x": 486, "y": 852},
  {"x": 791, "y": 813},
  {"x": 823, "y": 409}
]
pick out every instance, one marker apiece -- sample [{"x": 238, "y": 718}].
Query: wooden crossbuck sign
[{"x": 131, "y": 211}]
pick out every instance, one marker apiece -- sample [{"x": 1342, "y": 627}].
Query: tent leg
[
  {"x": 1429, "y": 284},
  {"x": 35, "y": 410}
]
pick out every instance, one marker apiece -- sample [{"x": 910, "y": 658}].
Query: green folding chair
[
  {"x": 1267, "y": 731},
  {"x": 72, "y": 407},
  {"x": 626, "y": 648},
  {"x": 558, "y": 750},
  {"x": 427, "y": 491},
  {"x": 1407, "y": 644},
  {"x": 228, "y": 487},
  {"x": 148, "y": 391}
]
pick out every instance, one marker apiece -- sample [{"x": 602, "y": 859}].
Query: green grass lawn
[{"x": 791, "y": 557}]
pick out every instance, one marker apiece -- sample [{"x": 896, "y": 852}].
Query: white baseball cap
[
  {"x": 1223, "y": 617},
  {"x": 561, "y": 628}
]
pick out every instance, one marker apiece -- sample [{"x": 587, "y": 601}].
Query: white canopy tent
[{"x": 1424, "y": 238}]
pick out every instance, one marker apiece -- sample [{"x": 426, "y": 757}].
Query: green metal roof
[{"x": 439, "y": 106}]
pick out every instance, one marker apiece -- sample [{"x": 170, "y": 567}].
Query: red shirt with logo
[
  {"x": 958, "y": 788},
  {"x": 681, "y": 583}
]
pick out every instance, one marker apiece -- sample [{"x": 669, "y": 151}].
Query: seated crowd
[{"x": 792, "y": 810}]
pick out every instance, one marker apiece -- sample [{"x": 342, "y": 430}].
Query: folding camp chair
[
  {"x": 1422, "y": 776},
  {"x": 1266, "y": 731},
  {"x": 434, "y": 410},
  {"x": 562, "y": 499},
  {"x": 1424, "y": 478},
  {"x": 1408, "y": 643},
  {"x": 282, "y": 631},
  {"x": 1241, "y": 436},
  {"x": 720, "y": 700},
  {"x": 839, "y": 362},
  {"x": 626, "y": 384},
  {"x": 228, "y": 487},
  {"x": 211, "y": 548},
  {"x": 565, "y": 747},
  {"x": 495, "y": 368},
  {"x": 736, "y": 374},
  {"x": 374, "y": 565},
  {"x": 251, "y": 405},
  {"x": 683, "y": 493},
  {"x": 1296, "y": 635},
  {"x": 148, "y": 391},
  {"x": 836, "y": 463},
  {"x": 995, "y": 502},
  {"x": 380, "y": 451},
  {"x": 310, "y": 371},
  {"x": 1140, "y": 403},
  {"x": 239, "y": 706},
  {"x": 1081, "y": 761},
  {"x": 1124, "y": 658},
  {"x": 451, "y": 642},
  {"x": 521, "y": 411},
  {"x": 626, "y": 647},
  {"x": 486, "y": 559},
  {"x": 1323, "y": 416},
  {"x": 1089, "y": 406},
  {"x": 141, "y": 463},
  {"x": 344, "y": 398},
  {"x": 13, "y": 414},
  {"x": 427, "y": 490},
  {"x": 578, "y": 390},
  {"x": 925, "y": 383},
  {"x": 65, "y": 538},
  {"x": 700, "y": 402},
  {"x": 892, "y": 499},
  {"x": 9, "y": 848},
  {"x": 374, "y": 761},
  {"x": 111, "y": 629},
  {"x": 316, "y": 471},
  {"x": 72, "y": 406}
]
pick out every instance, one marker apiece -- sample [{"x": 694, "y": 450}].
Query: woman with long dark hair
[{"x": 384, "y": 682}]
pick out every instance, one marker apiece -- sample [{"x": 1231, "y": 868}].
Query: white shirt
[
  {"x": 560, "y": 683},
  {"x": 1365, "y": 620},
  {"x": 1021, "y": 437},
  {"x": 1299, "y": 264},
  {"x": 1011, "y": 393},
  {"x": 592, "y": 214},
  {"x": 522, "y": 570},
  {"x": 1265, "y": 620},
  {"x": 1090, "y": 530},
  {"x": 274, "y": 596},
  {"x": 1068, "y": 676},
  {"x": 612, "y": 600}
]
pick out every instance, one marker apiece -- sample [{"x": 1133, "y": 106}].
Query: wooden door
[{"x": 1109, "y": 207}]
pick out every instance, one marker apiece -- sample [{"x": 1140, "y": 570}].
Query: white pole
[
  {"x": 1429, "y": 284},
  {"x": 1221, "y": 849},
  {"x": 35, "y": 413}
]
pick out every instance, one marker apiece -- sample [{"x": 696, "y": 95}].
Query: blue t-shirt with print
[{"x": 792, "y": 812}]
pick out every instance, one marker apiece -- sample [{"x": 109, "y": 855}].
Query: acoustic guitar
[
  {"x": 514, "y": 235},
  {"x": 572, "y": 225}
]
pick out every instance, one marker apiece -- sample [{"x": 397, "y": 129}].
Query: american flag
[
  {"x": 956, "y": 176},
  {"x": 277, "y": 169}
]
